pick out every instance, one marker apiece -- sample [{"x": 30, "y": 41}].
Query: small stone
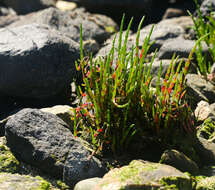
[
  {"x": 202, "y": 110},
  {"x": 87, "y": 184},
  {"x": 22, "y": 182},
  {"x": 65, "y": 5}
]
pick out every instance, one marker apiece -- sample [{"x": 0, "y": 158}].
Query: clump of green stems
[
  {"x": 204, "y": 26},
  {"x": 118, "y": 103}
]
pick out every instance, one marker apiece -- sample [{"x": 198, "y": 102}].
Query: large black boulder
[{"x": 43, "y": 140}]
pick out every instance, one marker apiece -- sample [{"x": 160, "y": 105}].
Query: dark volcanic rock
[
  {"x": 43, "y": 140},
  {"x": 36, "y": 61},
  {"x": 24, "y": 7}
]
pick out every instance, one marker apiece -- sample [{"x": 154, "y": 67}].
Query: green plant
[
  {"x": 204, "y": 27},
  {"x": 118, "y": 103}
]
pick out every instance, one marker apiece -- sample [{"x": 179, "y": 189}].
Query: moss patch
[
  {"x": 146, "y": 175},
  {"x": 176, "y": 183},
  {"x": 207, "y": 130},
  {"x": 44, "y": 185},
  {"x": 206, "y": 184},
  {"x": 110, "y": 29},
  {"x": 62, "y": 185},
  {"x": 8, "y": 163},
  {"x": 132, "y": 171},
  {"x": 23, "y": 182}
]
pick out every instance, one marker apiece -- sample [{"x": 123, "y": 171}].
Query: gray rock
[
  {"x": 165, "y": 65},
  {"x": 179, "y": 161},
  {"x": 199, "y": 89},
  {"x": 36, "y": 61},
  {"x": 144, "y": 175},
  {"x": 23, "y": 7},
  {"x": 22, "y": 182},
  {"x": 180, "y": 46},
  {"x": 43, "y": 140},
  {"x": 162, "y": 32},
  {"x": 206, "y": 151},
  {"x": 87, "y": 184},
  {"x": 96, "y": 27}
]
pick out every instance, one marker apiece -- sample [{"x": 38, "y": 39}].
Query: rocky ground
[{"x": 39, "y": 44}]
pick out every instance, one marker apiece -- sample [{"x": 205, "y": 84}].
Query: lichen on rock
[
  {"x": 206, "y": 184},
  {"x": 207, "y": 130},
  {"x": 8, "y": 163},
  {"x": 144, "y": 175},
  {"x": 22, "y": 182}
]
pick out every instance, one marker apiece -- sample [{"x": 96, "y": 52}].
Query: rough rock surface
[
  {"x": 95, "y": 26},
  {"x": 199, "y": 89},
  {"x": 179, "y": 161},
  {"x": 206, "y": 151},
  {"x": 144, "y": 175},
  {"x": 43, "y": 140},
  {"x": 23, "y": 7},
  {"x": 87, "y": 184},
  {"x": 22, "y": 182},
  {"x": 36, "y": 61},
  {"x": 180, "y": 47},
  {"x": 163, "y": 31}
]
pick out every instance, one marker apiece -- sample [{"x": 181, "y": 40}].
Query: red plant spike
[
  {"x": 100, "y": 130},
  {"x": 141, "y": 54},
  {"x": 114, "y": 74}
]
